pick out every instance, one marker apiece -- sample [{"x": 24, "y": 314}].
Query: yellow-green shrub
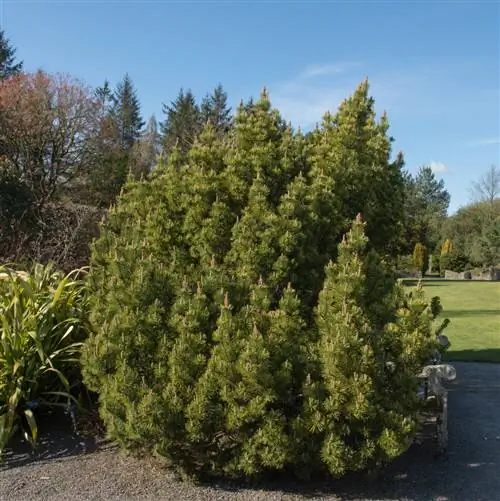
[{"x": 421, "y": 258}]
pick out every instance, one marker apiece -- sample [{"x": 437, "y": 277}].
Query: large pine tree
[
  {"x": 104, "y": 179},
  {"x": 127, "y": 112},
  {"x": 181, "y": 125},
  {"x": 104, "y": 96},
  {"x": 426, "y": 205},
  {"x": 8, "y": 64},
  {"x": 214, "y": 108},
  {"x": 121, "y": 147}
]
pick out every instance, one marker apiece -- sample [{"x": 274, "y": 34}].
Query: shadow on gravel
[
  {"x": 57, "y": 441},
  {"x": 418, "y": 475},
  {"x": 468, "y": 472}
]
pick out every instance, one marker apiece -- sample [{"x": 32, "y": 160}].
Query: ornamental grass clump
[{"x": 42, "y": 326}]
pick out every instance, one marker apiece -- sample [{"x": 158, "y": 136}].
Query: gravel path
[{"x": 76, "y": 470}]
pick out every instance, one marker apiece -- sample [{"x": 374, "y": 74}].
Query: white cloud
[
  {"x": 320, "y": 70},
  {"x": 438, "y": 167},
  {"x": 304, "y": 98},
  {"x": 305, "y": 106},
  {"x": 485, "y": 142}
]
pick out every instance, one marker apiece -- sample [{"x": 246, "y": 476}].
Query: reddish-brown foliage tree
[{"x": 48, "y": 130}]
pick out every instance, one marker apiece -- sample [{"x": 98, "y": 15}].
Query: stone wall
[{"x": 493, "y": 274}]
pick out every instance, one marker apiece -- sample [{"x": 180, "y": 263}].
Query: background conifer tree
[
  {"x": 181, "y": 125},
  {"x": 8, "y": 64},
  {"x": 214, "y": 109},
  {"x": 145, "y": 151},
  {"x": 126, "y": 112}
]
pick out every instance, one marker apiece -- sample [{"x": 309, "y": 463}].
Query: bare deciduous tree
[
  {"x": 487, "y": 188},
  {"x": 48, "y": 126}
]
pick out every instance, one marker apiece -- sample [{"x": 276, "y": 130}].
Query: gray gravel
[{"x": 77, "y": 470}]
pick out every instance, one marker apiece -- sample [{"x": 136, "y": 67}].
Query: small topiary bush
[{"x": 236, "y": 330}]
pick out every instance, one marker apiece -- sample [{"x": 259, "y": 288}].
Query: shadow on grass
[
  {"x": 442, "y": 282},
  {"x": 469, "y": 313},
  {"x": 491, "y": 355},
  {"x": 413, "y": 282}
]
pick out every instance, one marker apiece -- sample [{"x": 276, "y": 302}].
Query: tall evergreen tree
[
  {"x": 120, "y": 147},
  {"x": 214, "y": 108},
  {"x": 127, "y": 112},
  {"x": 109, "y": 134},
  {"x": 426, "y": 205},
  {"x": 181, "y": 124},
  {"x": 106, "y": 176},
  {"x": 104, "y": 96},
  {"x": 8, "y": 64}
]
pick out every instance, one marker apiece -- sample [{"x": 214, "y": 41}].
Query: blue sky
[{"x": 434, "y": 66}]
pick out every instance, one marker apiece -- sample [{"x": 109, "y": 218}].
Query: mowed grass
[{"x": 474, "y": 311}]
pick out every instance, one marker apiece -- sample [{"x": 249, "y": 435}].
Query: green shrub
[
  {"x": 209, "y": 344},
  {"x": 454, "y": 261},
  {"x": 42, "y": 327},
  {"x": 405, "y": 267}
]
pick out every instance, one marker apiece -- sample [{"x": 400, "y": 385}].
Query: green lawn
[{"x": 474, "y": 311}]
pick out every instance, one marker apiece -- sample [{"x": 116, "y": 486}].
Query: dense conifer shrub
[{"x": 236, "y": 332}]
